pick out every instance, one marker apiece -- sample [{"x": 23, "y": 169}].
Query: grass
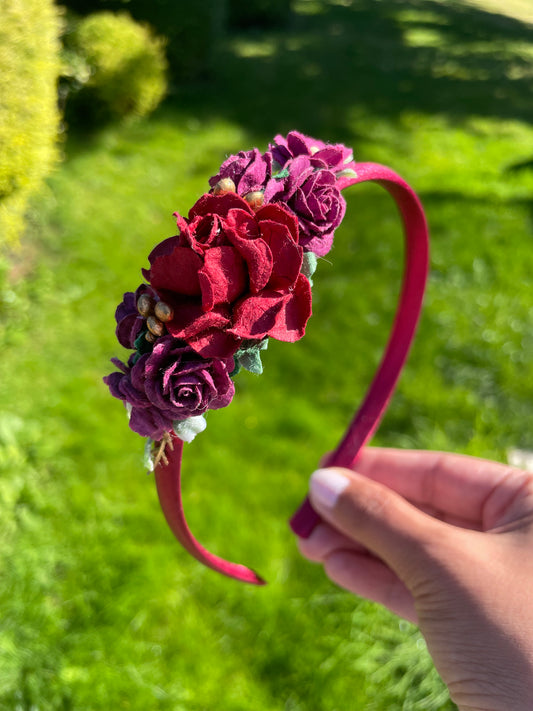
[
  {"x": 100, "y": 607},
  {"x": 520, "y": 9}
]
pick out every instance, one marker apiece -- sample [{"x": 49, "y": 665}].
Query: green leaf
[
  {"x": 251, "y": 360},
  {"x": 142, "y": 346},
  {"x": 309, "y": 265},
  {"x": 346, "y": 173},
  {"x": 249, "y": 357},
  {"x": 282, "y": 174}
]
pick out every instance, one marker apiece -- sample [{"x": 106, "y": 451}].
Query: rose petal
[
  {"x": 242, "y": 231},
  {"x": 202, "y": 233},
  {"x": 249, "y": 170},
  {"x": 224, "y": 387},
  {"x": 181, "y": 222},
  {"x": 223, "y": 277},
  {"x": 296, "y": 144},
  {"x": 128, "y": 329},
  {"x": 256, "y": 173},
  {"x": 127, "y": 306},
  {"x": 164, "y": 248},
  {"x": 255, "y": 316},
  {"x": 275, "y": 212},
  {"x": 190, "y": 320},
  {"x": 177, "y": 271},
  {"x": 292, "y": 318},
  {"x": 332, "y": 156},
  {"x": 214, "y": 343},
  {"x": 218, "y": 205},
  {"x": 286, "y": 254},
  {"x": 319, "y": 245},
  {"x": 150, "y": 422}
]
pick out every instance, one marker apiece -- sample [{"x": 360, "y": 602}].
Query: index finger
[{"x": 473, "y": 489}]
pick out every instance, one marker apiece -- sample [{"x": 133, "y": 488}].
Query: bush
[
  {"x": 29, "y": 119},
  {"x": 118, "y": 63},
  {"x": 190, "y": 26}
]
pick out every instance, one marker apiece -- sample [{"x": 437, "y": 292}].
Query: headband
[{"x": 238, "y": 273}]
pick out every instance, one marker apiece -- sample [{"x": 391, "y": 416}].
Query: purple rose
[
  {"x": 337, "y": 158},
  {"x": 170, "y": 384},
  {"x": 313, "y": 195},
  {"x": 127, "y": 385},
  {"x": 129, "y": 321},
  {"x": 249, "y": 170}
]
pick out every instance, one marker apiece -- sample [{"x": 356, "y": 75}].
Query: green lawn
[{"x": 100, "y": 607}]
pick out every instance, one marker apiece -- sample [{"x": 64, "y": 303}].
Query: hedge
[{"x": 29, "y": 118}]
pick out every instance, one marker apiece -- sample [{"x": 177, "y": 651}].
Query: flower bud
[
  {"x": 145, "y": 305},
  {"x": 164, "y": 312},
  {"x": 225, "y": 185},
  {"x": 255, "y": 199},
  {"x": 155, "y": 326},
  {"x": 150, "y": 337}
]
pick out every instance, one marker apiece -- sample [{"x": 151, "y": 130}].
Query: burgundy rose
[
  {"x": 249, "y": 170},
  {"x": 170, "y": 384},
  {"x": 232, "y": 274},
  {"x": 313, "y": 195}
]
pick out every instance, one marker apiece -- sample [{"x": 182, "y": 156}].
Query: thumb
[{"x": 377, "y": 517}]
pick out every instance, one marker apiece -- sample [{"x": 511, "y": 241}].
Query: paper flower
[
  {"x": 337, "y": 158},
  {"x": 232, "y": 274},
  {"x": 233, "y": 277},
  {"x": 237, "y": 274},
  {"x": 169, "y": 385},
  {"x": 312, "y": 194},
  {"x": 249, "y": 171},
  {"x": 129, "y": 320}
]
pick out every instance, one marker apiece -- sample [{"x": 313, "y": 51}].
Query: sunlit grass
[{"x": 100, "y": 607}]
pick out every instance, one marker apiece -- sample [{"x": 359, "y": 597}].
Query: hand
[{"x": 445, "y": 541}]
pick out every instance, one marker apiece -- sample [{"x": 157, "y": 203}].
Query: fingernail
[{"x": 326, "y": 486}]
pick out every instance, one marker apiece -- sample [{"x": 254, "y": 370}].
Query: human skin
[{"x": 445, "y": 541}]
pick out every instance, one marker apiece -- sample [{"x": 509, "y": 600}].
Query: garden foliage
[
  {"x": 118, "y": 64},
  {"x": 101, "y": 609},
  {"x": 29, "y": 119},
  {"x": 194, "y": 30},
  {"x": 261, "y": 13},
  {"x": 188, "y": 26}
]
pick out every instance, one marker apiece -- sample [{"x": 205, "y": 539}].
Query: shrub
[
  {"x": 125, "y": 64},
  {"x": 189, "y": 26},
  {"x": 29, "y": 119}
]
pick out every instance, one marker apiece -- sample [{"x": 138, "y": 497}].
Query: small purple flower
[
  {"x": 336, "y": 158},
  {"x": 313, "y": 195},
  {"x": 129, "y": 321},
  {"x": 145, "y": 419},
  {"x": 249, "y": 170},
  {"x": 172, "y": 383}
]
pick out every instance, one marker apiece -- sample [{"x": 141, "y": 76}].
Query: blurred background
[{"x": 112, "y": 116}]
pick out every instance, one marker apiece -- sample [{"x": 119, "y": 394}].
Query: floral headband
[{"x": 239, "y": 273}]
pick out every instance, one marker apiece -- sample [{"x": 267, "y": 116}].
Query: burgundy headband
[{"x": 238, "y": 273}]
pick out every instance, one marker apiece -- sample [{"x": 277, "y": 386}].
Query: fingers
[
  {"x": 467, "y": 488},
  {"x": 378, "y": 519},
  {"x": 351, "y": 566},
  {"x": 325, "y": 540},
  {"x": 368, "y": 577}
]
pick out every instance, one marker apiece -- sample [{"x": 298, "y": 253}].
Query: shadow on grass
[
  {"x": 337, "y": 58},
  {"x": 385, "y": 58}
]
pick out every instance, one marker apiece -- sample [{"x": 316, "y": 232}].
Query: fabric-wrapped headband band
[{"x": 238, "y": 273}]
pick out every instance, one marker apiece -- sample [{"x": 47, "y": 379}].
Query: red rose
[{"x": 232, "y": 274}]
